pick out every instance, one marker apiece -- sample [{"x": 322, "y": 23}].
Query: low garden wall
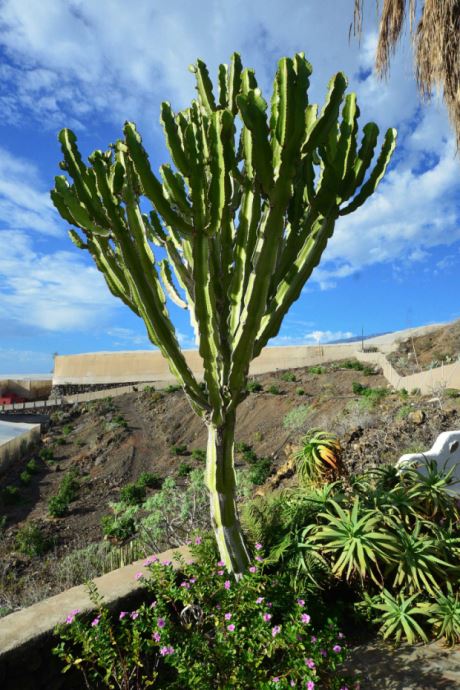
[
  {"x": 27, "y": 638},
  {"x": 17, "y": 445}
]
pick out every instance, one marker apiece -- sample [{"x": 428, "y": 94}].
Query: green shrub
[
  {"x": 25, "y": 477},
  {"x": 260, "y": 470},
  {"x": 250, "y": 455},
  {"x": 299, "y": 391},
  {"x": 58, "y": 506},
  {"x": 59, "y": 441},
  {"x": 288, "y": 376},
  {"x": 46, "y": 454},
  {"x": 403, "y": 412},
  {"x": 404, "y": 393},
  {"x": 274, "y": 390},
  {"x": 374, "y": 394},
  {"x": 254, "y": 386},
  {"x": 32, "y": 466},
  {"x": 69, "y": 486},
  {"x": 251, "y": 633},
  {"x": 316, "y": 370},
  {"x": 184, "y": 469},
  {"x": 148, "y": 479},
  {"x": 242, "y": 447},
  {"x": 31, "y": 541},
  {"x": 11, "y": 495},
  {"x": 199, "y": 454},
  {"x": 120, "y": 524},
  {"x": 67, "y": 429},
  {"x": 179, "y": 450},
  {"x": 172, "y": 388},
  {"x": 297, "y": 417},
  {"x": 452, "y": 393},
  {"x": 132, "y": 494}
]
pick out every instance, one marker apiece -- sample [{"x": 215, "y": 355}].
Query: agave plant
[
  {"x": 400, "y": 616},
  {"x": 418, "y": 566},
  {"x": 319, "y": 456},
  {"x": 445, "y": 616},
  {"x": 355, "y": 539},
  {"x": 432, "y": 488}
]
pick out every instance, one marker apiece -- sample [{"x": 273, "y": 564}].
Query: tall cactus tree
[{"x": 241, "y": 219}]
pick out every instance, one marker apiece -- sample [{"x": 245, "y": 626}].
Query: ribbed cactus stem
[{"x": 221, "y": 483}]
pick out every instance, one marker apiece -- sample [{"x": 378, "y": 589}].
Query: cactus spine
[{"x": 241, "y": 222}]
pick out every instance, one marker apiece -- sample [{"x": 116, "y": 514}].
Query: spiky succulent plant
[{"x": 241, "y": 219}]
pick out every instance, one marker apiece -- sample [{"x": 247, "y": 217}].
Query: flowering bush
[{"x": 199, "y": 628}]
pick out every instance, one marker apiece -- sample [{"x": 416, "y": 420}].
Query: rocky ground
[
  {"x": 110, "y": 442},
  {"x": 425, "y": 351}
]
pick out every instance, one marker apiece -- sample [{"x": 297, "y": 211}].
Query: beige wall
[
  {"x": 13, "y": 448},
  {"x": 149, "y": 365},
  {"x": 27, "y": 388}
]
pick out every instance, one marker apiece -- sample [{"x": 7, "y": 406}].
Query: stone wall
[{"x": 27, "y": 636}]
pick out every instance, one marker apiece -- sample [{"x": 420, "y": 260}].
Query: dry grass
[{"x": 436, "y": 46}]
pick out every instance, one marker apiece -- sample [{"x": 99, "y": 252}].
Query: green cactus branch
[{"x": 241, "y": 217}]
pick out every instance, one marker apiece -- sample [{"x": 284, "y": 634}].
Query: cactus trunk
[{"x": 221, "y": 483}]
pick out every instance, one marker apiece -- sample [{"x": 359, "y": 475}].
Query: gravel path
[{"x": 421, "y": 667}]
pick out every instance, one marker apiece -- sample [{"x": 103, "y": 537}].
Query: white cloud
[
  {"x": 126, "y": 336},
  {"x": 55, "y": 291},
  {"x": 24, "y": 204},
  {"x": 312, "y": 338},
  {"x": 410, "y": 213}
]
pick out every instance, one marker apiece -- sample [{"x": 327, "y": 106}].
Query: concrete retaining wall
[
  {"x": 429, "y": 382},
  {"x": 31, "y": 389},
  {"x": 26, "y": 637},
  {"x": 17, "y": 444}
]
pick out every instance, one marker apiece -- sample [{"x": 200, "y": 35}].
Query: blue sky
[{"x": 92, "y": 65}]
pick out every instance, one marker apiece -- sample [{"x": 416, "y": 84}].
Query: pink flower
[
  {"x": 150, "y": 560},
  {"x": 267, "y": 617},
  {"x": 185, "y": 584},
  {"x": 220, "y": 572},
  {"x": 156, "y": 636},
  {"x": 230, "y": 627},
  {"x": 323, "y": 652},
  {"x": 138, "y": 576},
  {"x": 167, "y": 562},
  {"x": 259, "y": 600},
  {"x": 71, "y": 617},
  {"x": 275, "y": 630},
  {"x": 227, "y": 584},
  {"x": 95, "y": 622},
  {"x": 269, "y": 604},
  {"x": 161, "y": 622},
  {"x": 310, "y": 685},
  {"x": 220, "y": 563},
  {"x": 197, "y": 540},
  {"x": 292, "y": 683},
  {"x": 305, "y": 618},
  {"x": 218, "y": 607},
  {"x": 313, "y": 639},
  {"x": 258, "y": 546},
  {"x": 310, "y": 663},
  {"x": 340, "y": 635},
  {"x": 164, "y": 651},
  {"x": 344, "y": 687},
  {"x": 228, "y": 616},
  {"x": 153, "y": 604},
  {"x": 301, "y": 602},
  {"x": 276, "y": 679},
  {"x": 259, "y": 558},
  {"x": 252, "y": 569},
  {"x": 192, "y": 580},
  {"x": 122, "y": 614},
  {"x": 336, "y": 648},
  {"x": 134, "y": 615}
]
